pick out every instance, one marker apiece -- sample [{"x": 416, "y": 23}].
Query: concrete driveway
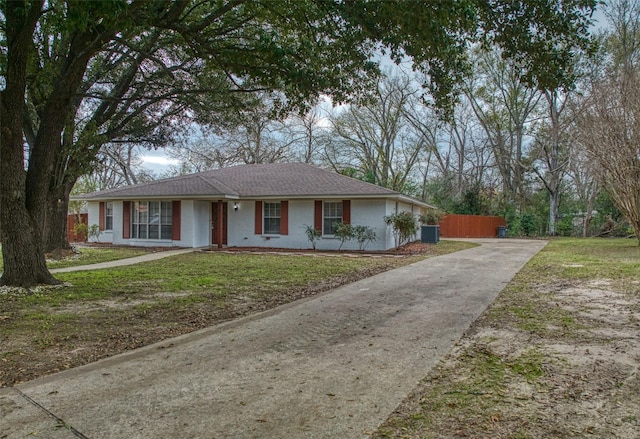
[{"x": 331, "y": 366}]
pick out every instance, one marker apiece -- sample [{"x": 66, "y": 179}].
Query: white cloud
[{"x": 158, "y": 161}]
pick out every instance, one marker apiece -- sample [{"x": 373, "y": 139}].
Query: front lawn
[{"x": 99, "y": 313}]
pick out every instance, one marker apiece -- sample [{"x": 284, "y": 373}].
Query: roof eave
[
  {"x": 157, "y": 197},
  {"x": 392, "y": 196}
]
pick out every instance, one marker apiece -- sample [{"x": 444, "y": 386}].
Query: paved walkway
[
  {"x": 331, "y": 366},
  {"x": 128, "y": 261}
]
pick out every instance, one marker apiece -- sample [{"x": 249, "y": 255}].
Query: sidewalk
[
  {"x": 127, "y": 261},
  {"x": 331, "y": 366}
]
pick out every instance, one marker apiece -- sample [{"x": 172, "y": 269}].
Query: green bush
[
  {"x": 81, "y": 230},
  {"x": 404, "y": 226},
  {"x": 344, "y": 232},
  {"x": 565, "y": 227},
  {"x": 431, "y": 216},
  {"x": 94, "y": 232},
  {"x": 363, "y": 235},
  {"x": 312, "y": 234},
  {"x": 527, "y": 224}
]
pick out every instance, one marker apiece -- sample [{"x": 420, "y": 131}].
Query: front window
[
  {"x": 151, "y": 220},
  {"x": 332, "y": 215},
  {"x": 272, "y": 218},
  {"x": 108, "y": 215}
]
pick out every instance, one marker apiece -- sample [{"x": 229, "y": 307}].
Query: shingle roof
[{"x": 251, "y": 181}]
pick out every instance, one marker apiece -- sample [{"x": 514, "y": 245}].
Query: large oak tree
[{"x": 77, "y": 75}]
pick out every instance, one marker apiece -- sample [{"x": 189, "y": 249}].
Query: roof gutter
[{"x": 210, "y": 197}]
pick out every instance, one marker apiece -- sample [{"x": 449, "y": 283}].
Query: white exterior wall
[
  {"x": 196, "y": 225},
  {"x": 390, "y": 207},
  {"x": 368, "y": 213},
  {"x": 93, "y": 211},
  {"x": 241, "y": 226},
  {"x": 396, "y": 206}
]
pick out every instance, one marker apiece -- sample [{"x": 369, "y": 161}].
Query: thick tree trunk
[
  {"x": 24, "y": 263},
  {"x": 22, "y": 252},
  {"x": 23, "y": 256},
  {"x": 55, "y": 231}
]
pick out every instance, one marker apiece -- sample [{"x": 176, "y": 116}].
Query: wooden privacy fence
[
  {"x": 72, "y": 220},
  {"x": 470, "y": 226}
]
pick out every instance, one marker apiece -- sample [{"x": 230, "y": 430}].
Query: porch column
[{"x": 219, "y": 231}]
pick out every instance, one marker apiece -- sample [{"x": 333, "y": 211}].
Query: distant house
[{"x": 267, "y": 205}]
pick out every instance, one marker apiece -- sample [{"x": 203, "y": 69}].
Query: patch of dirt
[
  {"x": 579, "y": 380},
  {"x": 60, "y": 254},
  {"x": 113, "y": 304}
]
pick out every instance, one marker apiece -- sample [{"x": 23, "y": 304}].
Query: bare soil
[{"x": 574, "y": 374}]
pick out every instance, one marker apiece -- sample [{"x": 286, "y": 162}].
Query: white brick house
[{"x": 256, "y": 205}]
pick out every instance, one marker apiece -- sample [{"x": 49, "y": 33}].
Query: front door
[{"x": 215, "y": 232}]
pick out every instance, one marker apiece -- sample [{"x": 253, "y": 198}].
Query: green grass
[
  {"x": 590, "y": 259},
  {"x": 209, "y": 275},
  {"x": 92, "y": 255},
  {"x": 205, "y": 274}
]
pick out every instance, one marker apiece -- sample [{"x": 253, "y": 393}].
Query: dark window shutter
[
  {"x": 317, "y": 215},
  {"x": 346, "y": 211},
  {"x": 258, "y": 217},
  {"x": 101, "y": 217},
  {"x": 284, "y": 217},
  {"x": 176, "y": 216},
  {"x": 126, "y": 219}
]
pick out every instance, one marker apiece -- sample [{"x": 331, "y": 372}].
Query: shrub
[
  {"x": 312, "y": 234},
  {"x": 527, "y": 224},
  {"x": 363, "y": 235},
  {"x": 344, "y": 232},
  {"x": 431, "y": 216},
  {"x": 81, "y": 230},
  {"x": 94, "y": 232},
  {"x": 404, "y": 226},
  {"x": 565, "y": 226}
]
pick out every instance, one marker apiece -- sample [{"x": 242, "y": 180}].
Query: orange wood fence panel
[
  {"x": 470, "y": 226},
  {"x": 72, "y": 220}
]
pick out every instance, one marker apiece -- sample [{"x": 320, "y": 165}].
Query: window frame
[
  {"x": 152, "y": 217},
  {"x": 108, "y": 216},
  {"x": 271, "y": 208},
  {"x": 336, "y": 218}
]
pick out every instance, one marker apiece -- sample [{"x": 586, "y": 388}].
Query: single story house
[{"x": 266, "y": 205}]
